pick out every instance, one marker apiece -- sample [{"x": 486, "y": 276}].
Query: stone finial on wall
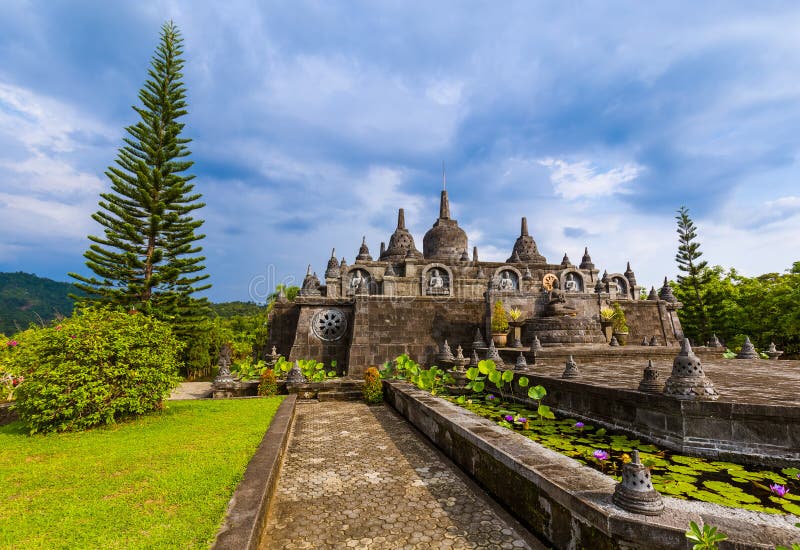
[
  {"x": 666, "y": 293},
  {"x": 478, "y": 343},
  {"x": 688, "y": 381},
  {"x": 650, "y": 382},
  {"x": 445, "y": 355},
  {"x": 714, "y": 342},
  {"x": 493, "y": 355},
  {"x": 613, "y": 343},
  {"x": 773, "y": 352},
  {"x": 571, "y": 370},
  {"x": 653, "y": 296},
  {"x": 536, "y": 345},
  {"x": 635, "y": 493},
  {"x": 520, "y": 362},
  {"x": 654, "y": 341},
  {"x": 332, "y": 271},
  {"x": 748, "y": 350},
  {"x": 363, "y": 251},
  {"x": 586, "y": 261}
]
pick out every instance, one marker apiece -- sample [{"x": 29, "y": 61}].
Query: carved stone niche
[
  {"x": 355, "y": 277},
  {"x": 572, "y": 281},
  {"x": 507, "y": 279},
  {"x": 436, "y": 281}
]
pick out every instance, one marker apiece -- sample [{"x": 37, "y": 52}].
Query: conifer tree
[
  {"x": 692, "y": 286},
  {"x": 148, "y": 257}
]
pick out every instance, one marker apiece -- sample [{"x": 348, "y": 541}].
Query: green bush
[
  {"x": 95, "y": 368},
  {"x": 499, "y": 318},
  {"x": 620, "y": 324},
  {"x": 373, "y": 386},
  {"x": 269, "y": 384}
]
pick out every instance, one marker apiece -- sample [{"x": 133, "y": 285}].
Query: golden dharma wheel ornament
[{"x": 549, "y": 281}]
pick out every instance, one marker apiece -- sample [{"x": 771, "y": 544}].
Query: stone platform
[
  {"x": 361, "y": 477},
  {"x": 756, "y": 418}
]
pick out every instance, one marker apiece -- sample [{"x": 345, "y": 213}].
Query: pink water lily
[
  {"x": 779, "y": 490},
  {"x": 601, "y": 455},
  {"x": 12, "y": 343}
]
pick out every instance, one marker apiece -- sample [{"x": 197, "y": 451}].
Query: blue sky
[{"x": 314, "y": 121}]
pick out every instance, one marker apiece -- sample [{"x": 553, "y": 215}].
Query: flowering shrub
[
  {"x": 96, "y": 367},
  {"x": 269, "y": 383},
  {"x": 373, "y": 386}
]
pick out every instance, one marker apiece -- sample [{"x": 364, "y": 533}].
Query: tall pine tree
[
  {"x": 692, "y": 287},
  {"x": 147, "y": 258}
]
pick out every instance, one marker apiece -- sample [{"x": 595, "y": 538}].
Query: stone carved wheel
[
  {"x": 329, "y": 324},
  {"x": 549, "y": 281}
]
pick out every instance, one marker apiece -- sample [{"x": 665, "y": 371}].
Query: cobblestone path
[{"x": 361, "y": 477}]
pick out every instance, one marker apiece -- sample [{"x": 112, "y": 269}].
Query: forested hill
[{"x": 26, "y": 298}]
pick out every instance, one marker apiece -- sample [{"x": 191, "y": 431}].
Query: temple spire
[
  {"x": 401, "y": 219},
  {"x": 444, "y": 206},
  {"x": 444, "y": 178},
  {"x": 523, "y": 230}
]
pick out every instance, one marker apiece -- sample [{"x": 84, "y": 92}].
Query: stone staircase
[{"x": 340, "y": 389}]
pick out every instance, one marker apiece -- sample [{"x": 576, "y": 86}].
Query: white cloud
[
  {"x": 581, "y": 179},
  {"x": 46, "y": 198}
]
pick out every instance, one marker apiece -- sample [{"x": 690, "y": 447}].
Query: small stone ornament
[
  {"x": 650, "y": 382},
  {"x": 517, "y": 343},
  {"x": 645, "y": 341},
  {"x": 653, "y": 296},
  {"x": 536, "y": 345},
  {"x": 653, "y": 341},
  {"x": 688, "y": 381},
  {"x": 224, "y": 362},
  {"x": 636, "y": 493},
  {"x": 714, "y": 342},
  {"x": 571, "y": 371},
  {"x": 494, "y": 355},
  {"x": 748, "y": 350},
  {"x": 613, "y": 343},
  {"x": 478, "y": 343},
  {"x": 520, "y": 362},
  {"x": 459, "y": 360},
  {"x": 295, "y": 375},
  {"x": 473, "y": 360},
  {"x": 773, "y": 352},
  {"x": 445, "y": 355}
]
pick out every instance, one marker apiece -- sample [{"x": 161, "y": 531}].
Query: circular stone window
[{"x": 329, "y": 324}]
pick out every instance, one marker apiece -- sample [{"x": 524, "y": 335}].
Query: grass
[{"x": 160, "y": 481}]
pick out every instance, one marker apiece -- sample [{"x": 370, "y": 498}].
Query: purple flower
[
  {"x": 490, "y": 397},
  {"x": 579, "y": 424},
  {"x": 779, "y": 490},
  {"x": 797, "y": 476},
  {"x": 601, "y": 455},
  {"x": 522, "y": 420},
  {"x": 509, "y": 418}
]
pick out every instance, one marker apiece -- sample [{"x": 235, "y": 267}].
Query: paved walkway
[
  {"x": 361, "y": 477},
  {"x": 191, "y": 390}
]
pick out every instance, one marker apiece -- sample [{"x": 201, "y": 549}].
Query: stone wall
[
  {"x": 744, "y": 432},
  {"x": 384, "y": 328},
  {"x": 565, "y": 503}
]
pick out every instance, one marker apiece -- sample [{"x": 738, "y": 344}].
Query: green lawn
[{"x": 160, "y": 481}]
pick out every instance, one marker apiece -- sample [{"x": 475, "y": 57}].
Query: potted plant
[
  {"x": 607, "y": 322},
  {"x": 516, "y": 323},
  {"x": 619, "y": 324},
  {"x": 499, "y": 325}
]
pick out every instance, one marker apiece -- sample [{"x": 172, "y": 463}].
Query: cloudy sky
[{"x": 314, "y": 121}]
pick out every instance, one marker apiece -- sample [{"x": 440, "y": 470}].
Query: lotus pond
[{"x": 678, "y": 476}]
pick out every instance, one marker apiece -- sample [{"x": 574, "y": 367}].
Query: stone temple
[{"x": 410, "y": 301}]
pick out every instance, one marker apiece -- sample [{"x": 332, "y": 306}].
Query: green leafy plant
[
  {"x": 269, "y": 384},
  {"x": 705, "y": 538},
  {"x": 537, "y": 393},
  {"x": 97, "y": 367},
  {"x": 247, "y": 369},
  {"x": 607, "y": 314},
  {"x": 499, "y": 318},
  {"x": 313, "y": 370},
  {"x": 373, "y": 386},
  {"x": 618, "y": 321},
  {"x": 515, "y": 313}
]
